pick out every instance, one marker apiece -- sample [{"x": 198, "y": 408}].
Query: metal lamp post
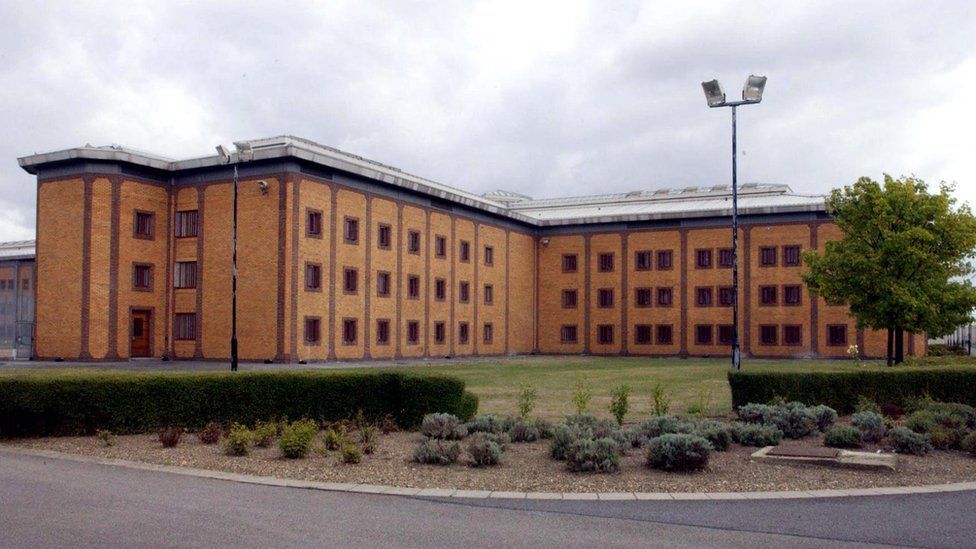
[
  {"x": 751, "y": 93},
  {"x": 244, "y": 154}
]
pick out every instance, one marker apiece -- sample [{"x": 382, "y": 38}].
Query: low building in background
[
  {"x": 16, "y": 299},
  {"x": 343, "y": 258}
]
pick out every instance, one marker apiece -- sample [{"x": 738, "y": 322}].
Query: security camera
[
  {"x": 545, "y": 241},
  {"x": 263, "y": 185}
]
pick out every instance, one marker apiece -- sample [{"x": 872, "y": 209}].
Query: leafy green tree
[{"x": 904, "y": 262}]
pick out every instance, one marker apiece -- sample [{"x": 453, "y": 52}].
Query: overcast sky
[{"x": 543, "y": 98}]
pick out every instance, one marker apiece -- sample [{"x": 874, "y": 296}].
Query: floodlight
[
  {"x": 223, "y": 152},
  {"x": 753, "y": 89},
  {"x": 244, "y": 151},
  {"x": 713, "y": 93}
]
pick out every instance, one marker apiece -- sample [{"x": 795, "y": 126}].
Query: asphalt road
[{"x": 58, "y": 503}]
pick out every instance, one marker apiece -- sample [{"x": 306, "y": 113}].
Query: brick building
[{"x": 343, "y": 258}]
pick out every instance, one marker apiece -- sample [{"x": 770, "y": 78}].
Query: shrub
[
  {"x": 334, "y": 439},
  {"x": 603, "y": 427},
  {"x": 264, "y": 433},
  {"x": 523, "y": 432},
  {"x": 563, "y": 439},
  {"x": 718, "y": 434},
  {"x": 826, "y": 416},
  {"x": 891, "y": 409},
  {"x": 583, "y": 421},
  {"x": 951, "y": 414},
  {"x": 107, "y": 438},
  {"x": 170, "y": 436},
  {"x": 870, "y": 424},
  {"x": 238, "y": 441},
  {"x": 484, "y": 451},
  {"x": 968, "y": 443},
  {"x": 753, "y": 412},
  {"x": 367, "y": 438},
  {"x": 581, "y": 396},
  {"x": 661, "y": 400},
  {"x": 843, "y": 436},
  {"x": 751, "y": 434},
  {"x": 351, "y": 454},
  {"x": 620, "y": 402},
  {"x": 145, "y": 402},
  {"x": 210, "y": 434},
  {"x": 600, "y": 455},
  {"x": 659, "y": 425},
  {"x": 840, "y": 390},
  {"x": 865, "y": 404},
  {"x": 296, "y": 438},
  {"x": 488, "y": 423},
  {"x": 501, "y": 439},
  {"x": 437, "y": 452},
  {"x": 700, "y": 406},
  {"x": 443, "y": 426},
  {"x": 793, "y": 418},
  {"x": 678, "y": 452},
  {"x": 526, "y": 403},
  {"x": 906, "y": 441},
  {"x": 545, "y": 427}
]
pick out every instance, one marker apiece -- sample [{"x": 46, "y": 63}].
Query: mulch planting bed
[{"x": 526, "y": 467}]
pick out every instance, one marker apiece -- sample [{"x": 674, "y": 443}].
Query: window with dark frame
[
  {"x": 792, "y": 294},
  {"x": 604, "y": 298},
  {"x": 382, "y": 332},
  {"x": 568, "y": 334},
  {"x": 313, "y": 330},
  {"x": 440, "y": 289},
  {"x": 604, "y": 334},
  {"x": 142, "y": 276},
  {"x": 313, "y": 276},
  {"x": 642, "y": 297},
  {"x": 837, "y": 335},
  {"x": 313, "y": 223},
  {"x": 440, "y": 246},
  {"x": 703, "y": 296},
  {"x": 725, "y": 296},
  {"x": 642, "y": 260},
  {"x": 383, "y": 284},
  {"x": 725, "y": 334},
  {"x": 464, "y": 292},
  {"x": 489, "y": 256},
  {"x": 703, "y": 259},
  {"x": 413, "y": 332},
  {"x": 463, "y": 335},
  {"x": 185, "y": 224},
  {"x": 144, "y": 222},
  {"x": 413, "y": 287},
  {"x": 703, "y": 334},
  {"x": 350, "y": 280},
  {"x": 792, "y": 334},
  {"x": 350, "y": 230},
  {"x": 664, "y": 297},
  {"x": 413, "y": 242},
  {"x": 768, "y": 334},
  {"x": 767, "y": 256},
  {"x": 185, "y": 274},
  {"x": 725, "y": 258},
  {"x": 570, "y": 299},
  {"x": 384, "y": 237},
  {"x": 791, "y": 256},
  {"x": 440, "y": 333},
  {"x": 767, "y": 295},
  {"x": 464, "y": 253},
  {"x": 642, "y": 334},
  {"x": 664, "y": 260},
  {"x": 350, "y": 331},
  {"x": 569, "y": 263},
  {"x": 605, "y": 262},
  {"x": 664, "y": 335},
  {"x": 489, "y": 294},
  {"x": 489, "y": 333},
  {"x": 185, "y": 326}
]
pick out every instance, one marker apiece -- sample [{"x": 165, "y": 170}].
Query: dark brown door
[{"x": 140, "y": 333}]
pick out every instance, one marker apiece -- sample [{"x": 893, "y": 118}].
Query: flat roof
[
  {"x": 18, "y": 249},
  {"x": 634, "y": 206}
]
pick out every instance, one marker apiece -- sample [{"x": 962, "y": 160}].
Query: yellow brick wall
[{"x": 654, "y": 241}]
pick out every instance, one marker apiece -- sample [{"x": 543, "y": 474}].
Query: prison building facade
[{"x": 343, "y": 258}]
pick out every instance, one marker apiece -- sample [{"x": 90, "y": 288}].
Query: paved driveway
[{"x": 47, "y": 502}]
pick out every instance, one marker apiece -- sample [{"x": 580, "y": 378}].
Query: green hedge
[
  {"x": 840, "y": 390},
  {"x": 71, "y": 403}
]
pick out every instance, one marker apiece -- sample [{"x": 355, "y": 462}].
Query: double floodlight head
[
  {"x": 244, "y": 152},
  {"x": 751, "y": 92}
]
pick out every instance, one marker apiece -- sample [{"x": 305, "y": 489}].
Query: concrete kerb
[{"x": 451, "y": 493}]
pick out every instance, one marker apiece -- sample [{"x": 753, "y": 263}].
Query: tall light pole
[
  {"x": 244, "y": 154},
  {"x": 751, "y": 93}
]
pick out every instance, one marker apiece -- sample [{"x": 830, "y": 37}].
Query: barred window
[
  {"x": 605, "y": 262},
  {"x": 605, "y": 298},
  {"x": 664, "y": 258},
  {"x": 186, "y": 224},
  {"x": 791, "y": 256},
  {"x": 413, "y": 332},
  {"x": 313, "y": 223},
  {"x": 142, "y": 276},
  {"x": 383, "y": 237},
  {"x": 767, "y": 256},
  {"x": 664, "y": 296},
  {"x": 383, "y": 332},
  {"x": 642, "y": 334},
  {"x": 569, "y": 299},
  {"x": 185, "y": 274},
  {"x": 313, "y": 331},
  {"x": 567, "y": 334},
  {"x": 642, "y": 297},
  {"x": 703, "y": 259},
  {"x": 313, "y": 276},
  {"x": 703, "y": 334},
  {"x": 569, "y": 263},
  {"x": 185, "y": 326},
  {"x": 440, "y": 332},
  {"x": 642, "y": 260},
  {"x": 664, "y": 334}
]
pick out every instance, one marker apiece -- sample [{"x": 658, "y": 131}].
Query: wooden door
[{"x": 140, "y": 333}]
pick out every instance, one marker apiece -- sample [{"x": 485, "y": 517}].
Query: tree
[{"x": 903, "y": 264}]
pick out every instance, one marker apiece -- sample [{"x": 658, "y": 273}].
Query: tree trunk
[
  {"x": 891, "y": 351},
  {"x": 899, "y": 346}
]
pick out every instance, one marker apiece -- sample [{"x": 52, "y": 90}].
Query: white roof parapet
[
  {"x": 638, "y": 205},
  {"x": 18, "y": 249}
]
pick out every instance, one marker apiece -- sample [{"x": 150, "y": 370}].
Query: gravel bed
[{"x": 527, "y": 467}]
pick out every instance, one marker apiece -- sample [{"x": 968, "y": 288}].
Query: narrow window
[
  {"x": 464, "y": 293},
  {"x": 142, "y": 277},
  {"x": 489, "y": 294},
  {"x": 185, "y": 326},
  {"x": 489, "y": 256},
  {"x": 605, "y": 263},
  {"x": 383, "y": 284},
  {"x": 313, "y": 334},
  {"x": 440, "y": 289},
  {"x": 384, "y": 237},
  {"x": 725, "y": 296},
  {"x": 604, "y": 334},
  {"x": 642, "y": 260},
  {"x": 569, "y": 299},
  {"x": 144, "y": 222},
  {"x": 350, "y": 280},
  {"x": 465, "y": 251},
  {"x": 725, "y": 334},
  {"x": 463, "y": 333},
  {"x": 664, "y": 334},
  {"x": 642, "y": 334},
  {"x": 567, "y": 334},
  {"x": 703, "y": 259},
  {"x": 642, "y": 297},
  {"x": 313, "y": 277},
  {"x": 703, "y": 296},
  {"x": 313, "y": 223},
  {"x": 703, "y": 334},
  {"x": 725, "y": 258},
  {"x": 768, "y": 334},
  {"x": 791, "y": 294},
  {"x": 383, "y": 332},
  {"x": 413, "y": 242},
  {"x": 569, "y": 263},
  {"x": 664, "y": 297},
  {"x": 440, "y": 247},
  {"x": 605, "y": 298},
  {"x": 440, "y": 333},
  {"x": 185, "y": 274},
  {"x": 350, "y": 329},
  {"x": 767, "y": 256},
  {"x": 489, "y": 332},
  {"x": 767, "y": 295},
  {"x": 837, "y": 335},
  {"x": 185, "y": 225},
  {"x": 792, "y": 334},
  {"x": 664, "y": 258},
  {"x": 791, "y": 258},
  {"x": 350, "y": 231},
  {"x": 413, "y": 332},
  {"x": 413, "y": 287}
]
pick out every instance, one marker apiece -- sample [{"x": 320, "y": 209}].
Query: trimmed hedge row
[
  {"x": 840, "y": 390},
  {"x": 34, "y": 405}
]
